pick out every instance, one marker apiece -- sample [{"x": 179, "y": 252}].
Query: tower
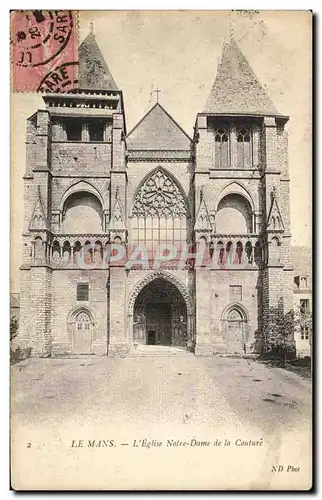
[
  {"x": 75, "y": 174},
  {"x": 242, "y": 170}
]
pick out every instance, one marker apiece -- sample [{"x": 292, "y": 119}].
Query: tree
[
  {"x": 303, "y": 326},
  {"x": 280, "y": 340},
  {"x": 13, "y": 327}
]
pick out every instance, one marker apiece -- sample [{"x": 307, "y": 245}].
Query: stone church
[{"x": 92, "y": 188}]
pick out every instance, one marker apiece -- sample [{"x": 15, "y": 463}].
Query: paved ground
[
  {"x": 55, "y": 401},
  {"x": 154, "y": 389}
]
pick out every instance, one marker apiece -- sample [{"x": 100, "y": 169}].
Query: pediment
[{"x": 158, "y": 131}]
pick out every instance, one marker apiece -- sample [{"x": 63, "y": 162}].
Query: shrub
[
  {"x": 13, "y": 327},
  {"x": 19, "y": 354}
]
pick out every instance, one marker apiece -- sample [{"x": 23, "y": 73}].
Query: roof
[
  {"x": 236, "y": 89},
  {"x": 302, "y": 261},
  {"x": 94, "y": 73},
  {"x": 14, "y": 300},
  {"x": 157, "y": 130},
  {"x": 302, "y": 264}
]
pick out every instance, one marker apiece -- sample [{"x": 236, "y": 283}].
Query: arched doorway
[
  {"x": 160, "y": 315},
  {"x": 235, "y": 329},
  {"x": 82, "y": 332}
]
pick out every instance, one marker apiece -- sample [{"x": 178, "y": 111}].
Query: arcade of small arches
[
  {"x": 67, "y": 253},
  {"x": 240, "y": 251},
  {"x": 160, "y": 213},
  {"x": 229, "y": 250},
  {"x": 67, "y": 250}
]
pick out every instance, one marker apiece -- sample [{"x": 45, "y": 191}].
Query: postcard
[{"x": 161, "y": 282}]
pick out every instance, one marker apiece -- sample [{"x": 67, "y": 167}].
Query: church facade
[{"x": 152, "y": 236}]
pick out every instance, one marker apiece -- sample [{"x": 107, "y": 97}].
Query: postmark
[
  {"x": 60, "y": 79},
  {"x": 41, "y": 41}
]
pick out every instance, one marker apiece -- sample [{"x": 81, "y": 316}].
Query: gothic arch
[
  {"x": 170, "y": 176},
  {"x": 235, "y": 321},
  {"x": 239, "y": 307},
  {"x": 38, "y": 247},
  {"x": 81, "y": 330},
  {"x": 235, "y": 188},
  {"x": 159, "y": 275},
  {"x": 72, "y": 315},
  {"x": 276, "y": 239},
  {"x": 78, "y": 187}
]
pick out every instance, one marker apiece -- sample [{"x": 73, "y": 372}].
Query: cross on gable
[{"x": 157, "y": 91}]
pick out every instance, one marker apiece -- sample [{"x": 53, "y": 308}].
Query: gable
[
  {"x": 275, "y": 220},
  {"x": 202, "y": 218},
  {"x": 38, "y": 219},
  {"x": 158, "y": 131}
]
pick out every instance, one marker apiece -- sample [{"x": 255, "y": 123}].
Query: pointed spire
[
  {"x": 274, "y": 219},
  {"x": 117, "y": 219},
  {"x": 38, "y": 219},
  {"x": 203, "y": 222},
  {"x": 94, "y": 73},
  {"x": 236, "y": 88}
]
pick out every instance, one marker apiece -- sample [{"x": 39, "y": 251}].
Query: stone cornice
[
  {"x": 78, "y": 235},
  {"x": 234, "y": 236},
  {"x": 78, "y": 175},
  {"x": 166, "y": 155}
]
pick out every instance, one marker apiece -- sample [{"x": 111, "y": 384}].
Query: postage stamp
[
  {"x": 161, "y": 326},
  {"x": 44, "y": 50}
]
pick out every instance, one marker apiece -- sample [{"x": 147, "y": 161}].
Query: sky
[{"x": 178, "y": 52}]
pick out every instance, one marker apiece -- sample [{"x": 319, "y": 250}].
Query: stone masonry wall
[
  {"x": 65, "y": 302},
  {"x": 213, "y": 297},
  {"x": 81, "y": 157},
  {"x": 40, "y": 310}
]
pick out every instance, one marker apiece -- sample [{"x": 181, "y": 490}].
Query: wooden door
[
  {"x": 82, "y": 334},
  {"x": 158, "y": 319},
  {"x": 235, "y": 332}
]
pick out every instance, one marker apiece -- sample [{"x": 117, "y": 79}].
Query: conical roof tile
[
  {"x": 236, "y": 89},
  {"x": 94, "y": 73}
]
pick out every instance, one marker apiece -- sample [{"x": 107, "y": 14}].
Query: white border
[{"x": 5, "y": 179}]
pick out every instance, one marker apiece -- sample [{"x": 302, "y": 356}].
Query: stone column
[
  {"x": 40, "y": 339},
  {"x": 85, "y": 132},
  {"x": 107, "y": 132},
  {"x": 119, "y": 342},
  {"x": 256, "y": 137},
  {"x": 233, "y": 146},
  {"x": 203, "y": 346}
]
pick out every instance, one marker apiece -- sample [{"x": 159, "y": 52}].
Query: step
[{"x": 158, "y": 351}]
